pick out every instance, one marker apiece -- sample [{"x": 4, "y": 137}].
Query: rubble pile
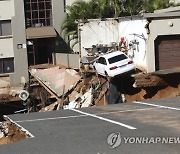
[
  {"x": 67, "y": 88},
  {"x": 7, "y": 92},
  {"x": 9, "y": 133},
  {"x": 89, "y": 91}
]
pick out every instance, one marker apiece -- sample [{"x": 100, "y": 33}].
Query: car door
[{"x": 100, "y": 65}]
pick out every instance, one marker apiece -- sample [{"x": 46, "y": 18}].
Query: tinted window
[
  {"x": 102, "y": 60},
  {"x": 6, "y": 65},
  {"x": 117, "y": 58},
  {"x": 5, "y": 28}
]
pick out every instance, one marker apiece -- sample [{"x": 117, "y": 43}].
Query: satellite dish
[{"x": 24, "y": 95}]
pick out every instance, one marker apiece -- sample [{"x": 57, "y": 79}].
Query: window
[
  {"x": 102, "y": 61},
  {"x": 6, "y": 65},
  {"x": 38, "y": 13},
  {"x": 5, "y": 28},
  {"x": 117, "y": 58}
]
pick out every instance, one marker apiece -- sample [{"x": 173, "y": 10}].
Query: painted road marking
[
  {"x": 20, "y": 127},
  {"x": 155, "y": 105},
  {"x": 104, "y": 113},
  {"x": 142, "y": 109},
  {"x": 67, "y": 117},
  {"x": 105, "y": 119}
]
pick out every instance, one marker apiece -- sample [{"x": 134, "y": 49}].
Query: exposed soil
[
  {"x": 14, "y": 134},
  {"x": 163, "y": 87},
  {"x": 153, "y": 93}
]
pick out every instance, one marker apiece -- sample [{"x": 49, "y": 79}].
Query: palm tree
[{"x": 81, "y": 10}]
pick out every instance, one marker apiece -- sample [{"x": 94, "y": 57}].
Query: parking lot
[{"x": 86, "y": 130}]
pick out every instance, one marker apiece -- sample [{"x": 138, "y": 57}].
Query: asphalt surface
[{"x": 86, "y": 130}]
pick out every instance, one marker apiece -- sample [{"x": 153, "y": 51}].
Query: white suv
[{"x": 113, "y": 63}]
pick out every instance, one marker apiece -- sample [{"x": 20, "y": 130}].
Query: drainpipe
[{"x": 79, "y": 39}]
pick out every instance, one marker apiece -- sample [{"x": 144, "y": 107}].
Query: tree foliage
[{"x": 107, "y": 9}]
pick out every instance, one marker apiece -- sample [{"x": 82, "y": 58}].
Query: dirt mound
[{"x": 9, "y": 133}]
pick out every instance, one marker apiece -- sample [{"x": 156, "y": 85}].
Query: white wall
[
  {"x": 98, "y": 32},
  {"x": 105, "y": 32},
  {"x": 6, "y": 48},
  {"x": 6, "y": 9},
  {"x": 133, "y": 30}
]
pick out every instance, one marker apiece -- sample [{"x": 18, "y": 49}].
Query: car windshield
[{"x": 116, "y": 58}]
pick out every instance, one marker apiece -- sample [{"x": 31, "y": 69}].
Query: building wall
[
  {"x": 157, "y": 28},
  {"x": 19, "y": 37},
  {"x": 97, "y": 32},
  {"x": 68, "y": 60},
  {"x": 6, "y": 43},
  {"x": 6, "y": 49},
  {"x": 134, "y": 32},
  {"x": 6, "y": 9},
  {"x": 58, "y": 13}
]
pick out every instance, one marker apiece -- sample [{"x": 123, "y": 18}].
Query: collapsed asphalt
[{"x": 68, "y": 131}]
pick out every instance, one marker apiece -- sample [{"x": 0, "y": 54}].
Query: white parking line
[
  {"x": 105, "y": 119},
  {"x": 77, "y": 116},
  {"x": 20, "y": 127},
  {"x": 155, "y": 105},
  {"x": 133, "y": 110},
  {"x": 67, "y": 117}
]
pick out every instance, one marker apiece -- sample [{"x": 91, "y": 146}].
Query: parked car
[{"x": 113, "y": 63}]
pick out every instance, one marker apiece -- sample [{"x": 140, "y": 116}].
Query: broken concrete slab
[
  {"x": 81, "y": 101},
  {"x": 86, "y": 99},
  {"x": 59, "y": 81}
]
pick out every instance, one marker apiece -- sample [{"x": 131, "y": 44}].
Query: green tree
[
  {"x": 131, "y": 7},
  {"x": 151, "y": 5},
  {"x": 81, "y": 10}
]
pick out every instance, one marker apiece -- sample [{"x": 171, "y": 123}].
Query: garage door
[{"x": 168, "y": 54}]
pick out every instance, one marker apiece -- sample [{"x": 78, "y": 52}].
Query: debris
[
  {"x": 86, "y": 99},
  {"x": 112, "y": 95},
  {"x": 10, "y": 132},
  {"x": 24, "y": 95},
  {"x": 81, "y": 102},
  {"x": 56, "y": 81}
]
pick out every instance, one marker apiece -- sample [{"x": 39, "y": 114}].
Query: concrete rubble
[
  {"x": 57, "y": 81},
  {"x": 88, "y": 91},
  {"x": 71, "y": 89},
  {"x": 7, "y": 92},
  {"x": 55, "y": 87}
]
